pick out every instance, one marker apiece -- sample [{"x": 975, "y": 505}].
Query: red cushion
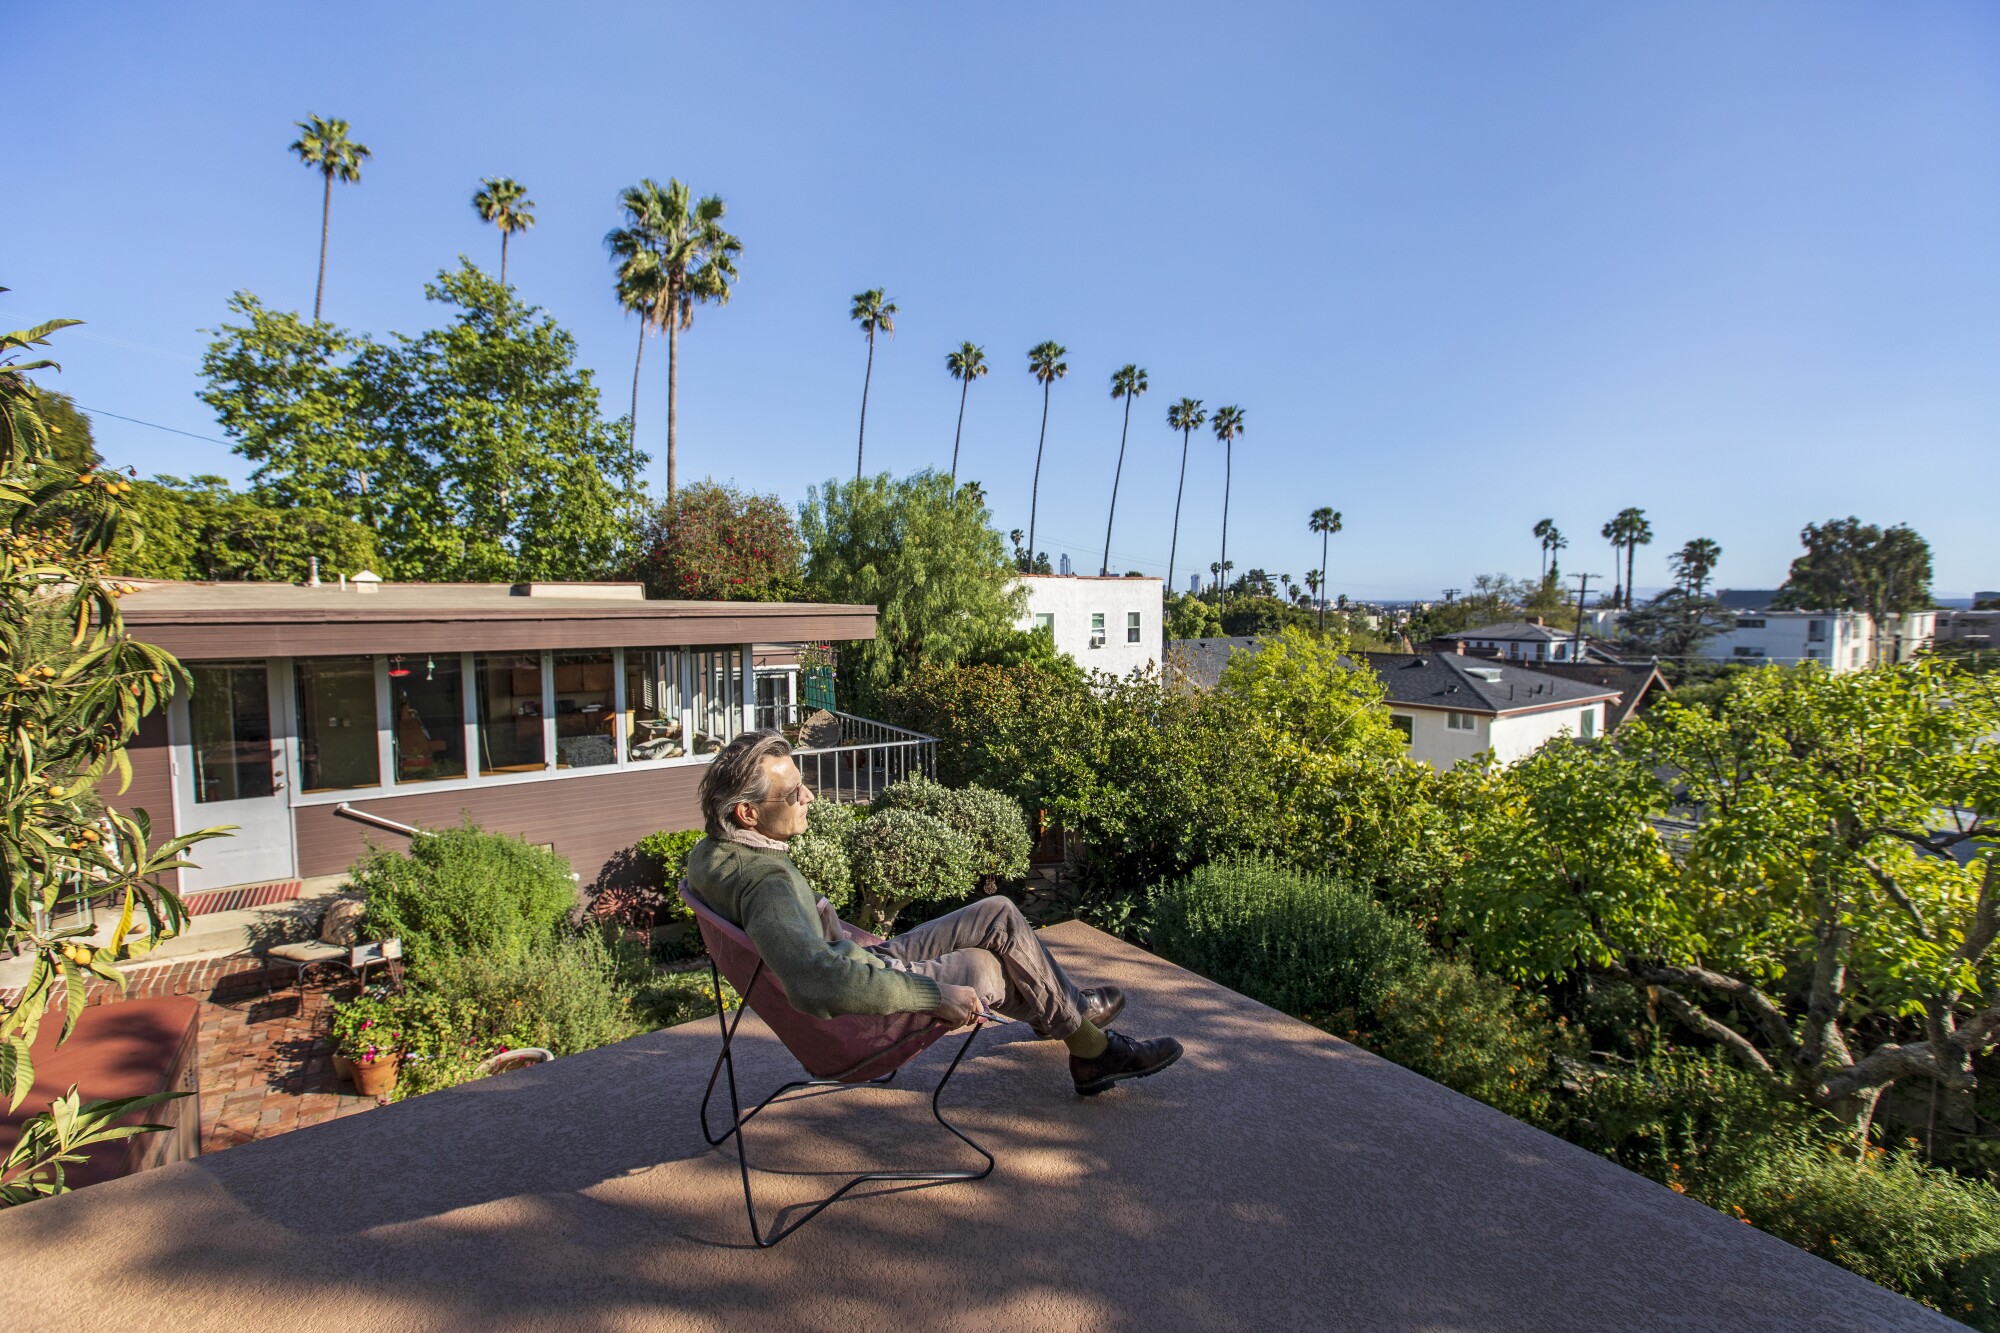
[{"x": 851, "y": 1047}]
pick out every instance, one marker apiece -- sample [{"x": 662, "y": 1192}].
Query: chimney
[
  {"x": 1534, "y": 620},
  {"x": 312, "y": 571}
]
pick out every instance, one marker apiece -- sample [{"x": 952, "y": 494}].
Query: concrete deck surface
[{"x": 1277, "y": 1178}]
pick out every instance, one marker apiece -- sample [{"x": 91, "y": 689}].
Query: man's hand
[{"x": 957, "y": 1005}]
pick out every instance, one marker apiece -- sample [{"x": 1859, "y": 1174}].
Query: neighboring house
[
  {"x": 1104, "y": 623},
  {"x": 1980, "y": 628},
  {"x": 1837, "y": 640},
  {"x": 1635, "y": 682},
  {"x": 1454, "y": 707},
  {"x": 1519, "y": 641},
  {"x": 576, "y": 715}
]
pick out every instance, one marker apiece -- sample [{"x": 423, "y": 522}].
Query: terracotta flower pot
[
  {"x": 343, "y": 1068},
  {"x": 377, "y": 1077}
]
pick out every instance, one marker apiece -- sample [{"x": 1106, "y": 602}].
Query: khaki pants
[{"x": 990, "y": 947}]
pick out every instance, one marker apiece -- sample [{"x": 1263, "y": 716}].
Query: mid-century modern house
[{"x": 575, "y": 715}]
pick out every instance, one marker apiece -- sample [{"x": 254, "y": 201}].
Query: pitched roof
[
  {"x": 1633, "y": 681},
  {"x": 1515, "y": 631},
  {"x": 1476, "y": 684},
  {"x": 1201, "y": 660}
]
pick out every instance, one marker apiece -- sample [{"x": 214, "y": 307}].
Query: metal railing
[{"x": 867, "y": 757}]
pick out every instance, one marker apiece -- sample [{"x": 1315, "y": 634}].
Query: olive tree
[
  {"x": 1838, "y": 860},
  {"x": 899, "y": 857}
]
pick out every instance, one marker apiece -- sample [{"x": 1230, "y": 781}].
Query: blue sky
[{"x": 1464, "y": 265}]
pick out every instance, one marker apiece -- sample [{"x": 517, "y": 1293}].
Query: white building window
[
  {"x": 1749, "y": 652},
  {"x": 1046, "y": 620},
  {"x": 1131, "y": 627},
  {"x": 1460, "y": 722},
  {"x": 1588, "y": 727},
  {"x": 1097, "y": 629}
]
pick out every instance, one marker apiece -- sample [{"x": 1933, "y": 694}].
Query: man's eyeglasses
[{"x": 792, "y": 797}]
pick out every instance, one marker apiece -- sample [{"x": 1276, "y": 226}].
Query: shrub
[
  {"x": 443, "y": 1042},
  {"x": 1476, "y": 1035},
  {"x": 1306, "y": 944},
  {"x": 464, "y": 890},
  {"x": 989, "y": 820},
  {"x": 366, "y": 1028},
  {"x": 563, "y": 994},
  {"x": 900, "y": 857},
  {"x": 665, "y": 854},
  {"x": 820, "y": 852}
]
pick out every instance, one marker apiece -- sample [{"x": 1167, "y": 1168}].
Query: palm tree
[
  {"x": 1314, "y": 582},
  {"x": 1556, "y": 542},
  {"x": 1325, "y": 521},
  {"x": 1627, "y": 532},
  {"x": 1186, "y": 417},
  {"x": 1127, "y": 382},
  {"x": 967, "y": 364},
  {"x": 872, "y": 310},
  {"x": 504, "y": 203},
  {"x": 1227, "y": 425},
  {"x": 1694, "y": 562},
  {"x": 1046, "y": 364},
  {"x": 1542, "y": 531},
  {"x": 324, "y": 146},
  {"x": 697, "y": 262},
  {"x": 641, "y": 289}
]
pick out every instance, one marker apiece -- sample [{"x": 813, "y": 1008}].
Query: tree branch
[
  {"x": 1985, "y": 915},
  {"x": 1769, "y": 1018},
  {"x": 1744, "y": 1049},
  {"x": 1903, "y": 900}
]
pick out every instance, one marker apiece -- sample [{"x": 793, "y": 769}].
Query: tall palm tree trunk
[
  {"x": 325, "y": 214},
  {"x": 963, "y": 386},
  {"x": 673, "y": 390},
  {"x": 1222, "y": 578},
  {"x": 1105, "y": 567},
  {"x": 1631, "y": 549},
  {"x": 503, "y": 257},
  {"x": 1173, "y": 544},
  {"x": 1035, "y": 495},
  {"x": 868, "y": 375},
  {"x": 1324, "y": 538},
  {"x": 632, "y": 422}
]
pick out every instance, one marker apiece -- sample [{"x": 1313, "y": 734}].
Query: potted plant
[{"x": 367, "y": 1034}]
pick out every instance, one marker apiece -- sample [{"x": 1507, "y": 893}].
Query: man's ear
[{"x": 739, "y": 809}]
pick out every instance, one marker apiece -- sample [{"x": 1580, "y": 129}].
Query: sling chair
[{"x": 853, "y": 1050}]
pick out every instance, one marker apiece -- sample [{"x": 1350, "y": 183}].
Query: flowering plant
[{"x": 367, "y": 1029}]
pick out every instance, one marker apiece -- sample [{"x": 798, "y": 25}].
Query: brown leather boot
[
  {"x": 1102, "y": 1005},
  {"x": 1123, "y": 1058}
]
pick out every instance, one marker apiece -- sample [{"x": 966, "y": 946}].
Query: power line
[{"x": 172, "y": 430}]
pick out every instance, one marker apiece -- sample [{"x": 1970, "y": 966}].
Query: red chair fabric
[{"x": 852, "y": 1048}]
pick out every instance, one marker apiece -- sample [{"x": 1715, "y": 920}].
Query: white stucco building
[
  {"x": 1836, "y": 640},
  {"x": 1103, "y": 623}
]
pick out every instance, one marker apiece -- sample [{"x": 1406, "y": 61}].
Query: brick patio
[{"x": 266, "y": 1064}]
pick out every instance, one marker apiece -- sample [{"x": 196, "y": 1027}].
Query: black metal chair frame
[{"x": 726, "y": 1063}]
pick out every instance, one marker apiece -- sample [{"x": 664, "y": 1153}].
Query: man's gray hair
[{"x": 736, "y": 776}]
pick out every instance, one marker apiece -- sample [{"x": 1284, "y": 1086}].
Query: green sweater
[{"x": 764, "y": 893}]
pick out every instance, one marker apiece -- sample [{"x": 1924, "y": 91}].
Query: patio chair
[
  {"x": 338, "y": 944},
  {"x": 853, "y": 1050}
]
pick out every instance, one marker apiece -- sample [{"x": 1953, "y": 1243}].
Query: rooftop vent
[
  {"x": 366, "y": 581},
  {"x": 1491, "y": 675}
]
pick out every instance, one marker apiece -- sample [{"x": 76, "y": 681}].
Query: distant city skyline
[{"x": 1464, "y": 267}]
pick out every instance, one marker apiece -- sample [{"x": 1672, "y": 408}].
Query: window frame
[
  {"x": 1452, "y": 722},
  {"x": 1097, "y": 631},
  {"x": 1134, "y": 626}
]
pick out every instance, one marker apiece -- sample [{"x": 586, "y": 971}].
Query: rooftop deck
[{"x": 1276, "y": 1178}]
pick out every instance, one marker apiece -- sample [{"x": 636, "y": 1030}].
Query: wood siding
[
  {"x": 152, "y": 788},
  {"x": 590, "y": 820}
]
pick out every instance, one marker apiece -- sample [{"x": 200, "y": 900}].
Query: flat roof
[
  {"x": 198, "y": 621},
  {"x": 1276, "y": 1178}
]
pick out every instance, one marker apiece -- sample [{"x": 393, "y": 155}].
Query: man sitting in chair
[{"x": 985, "y": 956}]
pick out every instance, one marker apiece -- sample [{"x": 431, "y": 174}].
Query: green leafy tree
[
  {"x": 1325, "y": 521},
  {"x": 1227, "y": 425},
  {"x": 1674, "y": 625},
  {"x": 73, "y": 688},
  {"x": 1046, "y": 364},
  {"x": 1854, "y": 566},
  {"x": 1186, "y": 417},
  {"x": 1825, "y": 889},
  {"x": 966, "y": 364},
  {"x": 1694, "y": 563},
  {"x": 200, "y": 529},
  {"x": 989, "y": 820},
  {"x": 874, "y": 312},
  {"x": 922, "y": 553},
  {"x": 503, "y": 201},
  {"x": 1128, "y": 382},
  {"x": 714, "y": 543},
  {"x": 1190, "y": 617},
  {"x": 324, "y": 146},
  {"x": 693, "y": 260},
  {"x": 900, "y": 857}
]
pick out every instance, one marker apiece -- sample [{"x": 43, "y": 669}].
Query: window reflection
[
  {"x": 653, "y": 704},
  {"x": 510, "y": 712},
  {"x": 428, "y": 700},
  {"x": 229, "y": 712},
  {"x": 586, "y": 713},
  {"x": 337, "y": 723}
]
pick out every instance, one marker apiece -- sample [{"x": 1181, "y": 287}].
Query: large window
[
  {"x": 337, "y": 724},
  {"x": 510, "y": 712},
  {"x": 653, "y": 704},
  {"x": 427, "y": 701},
  {"x": 586, "y": 710},
  {"x": 229, "y": 712}
]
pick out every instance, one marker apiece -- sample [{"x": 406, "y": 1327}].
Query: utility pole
[
  {"x": 1576, "y": 639},
  {"x": 1450, "y": 593}
]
